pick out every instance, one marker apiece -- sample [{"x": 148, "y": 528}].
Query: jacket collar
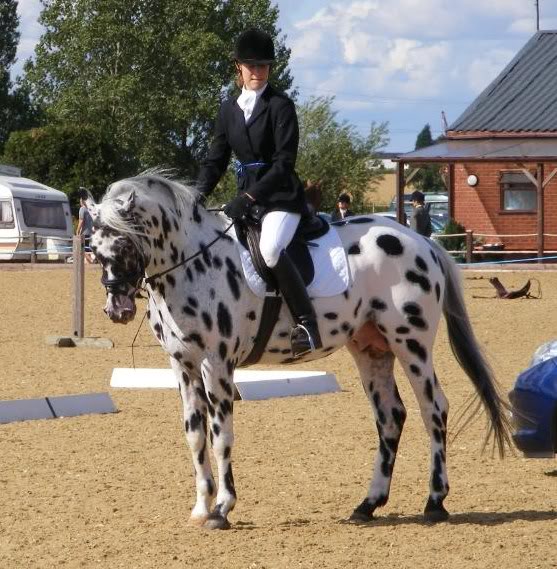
[{"x": 261, "y": 105}]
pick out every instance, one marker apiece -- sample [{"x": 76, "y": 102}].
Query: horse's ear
[{"x": 128, "y": 206}]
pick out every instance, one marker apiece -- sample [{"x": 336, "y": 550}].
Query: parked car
[
  {"x": 436, "y": 224},
  {"x": 534, "y": 405},
  {"x": 436, "y": 203}
]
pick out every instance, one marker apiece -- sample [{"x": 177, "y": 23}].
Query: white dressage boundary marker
[
  {"x": 55, "y": 407},
  {"x": 252, "y": 385}
]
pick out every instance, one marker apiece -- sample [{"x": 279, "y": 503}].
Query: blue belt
[{"x": 242, "y": 167}]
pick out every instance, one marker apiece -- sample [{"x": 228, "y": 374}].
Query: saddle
[{"x": 248, "y": 231}]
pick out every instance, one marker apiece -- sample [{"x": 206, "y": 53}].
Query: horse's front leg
[
  {"x": 219, "y": 390},
  {"x": 195, "y": 427}
]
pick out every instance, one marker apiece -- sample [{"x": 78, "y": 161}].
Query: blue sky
[{"x": 401, "y": 61}]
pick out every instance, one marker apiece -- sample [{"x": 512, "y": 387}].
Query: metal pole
[
  {"x": 469, "y": 245},
  {"x": 78, "y": 287},
  {"x": 541, "y": 212},
  {"x": 537, "y": 15},
  {"x": 400, "y": 214},
  {"x": 33, "y": 247}
]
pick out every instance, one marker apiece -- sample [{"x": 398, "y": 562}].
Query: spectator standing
[
  {"x": 85, "y": 224},
  {"x": 342, "y": 211},
  {"x": 420, "y": 221}
]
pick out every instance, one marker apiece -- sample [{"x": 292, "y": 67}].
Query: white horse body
[{"x": 206, "y": 318}]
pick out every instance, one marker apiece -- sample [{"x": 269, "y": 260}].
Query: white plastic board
[{"x": 251, "y": 384}]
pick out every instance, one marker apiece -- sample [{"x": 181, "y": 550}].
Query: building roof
[
  {"x": 486, "y": 150},
  {"x": 523, "y": 98}
]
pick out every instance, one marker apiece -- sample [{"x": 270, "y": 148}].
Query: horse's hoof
[
  {"x": 360, "y": 518},
  {"x": 435, "y": 512},
  {"x": 197, "y": 520},
  {"x": 216, "y": 521}
]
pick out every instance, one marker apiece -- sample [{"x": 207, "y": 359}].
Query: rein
[{"x": 151, "y": 279}]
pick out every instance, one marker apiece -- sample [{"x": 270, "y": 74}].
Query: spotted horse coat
[{"x": 205, "y": 317}]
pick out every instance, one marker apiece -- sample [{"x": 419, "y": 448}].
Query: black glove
[{"x": 238, "y": 207}]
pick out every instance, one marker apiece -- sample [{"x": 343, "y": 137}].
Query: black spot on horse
[
  {"x": 390, "y": 244},
  {"x": 189, "y": 311},
  {"x": 402, "y": 330},
  {"x": 195, "y": 213},
  {"x": 420, "y": 280},
  {"x": 207, "y": 320},
  {"x": 223, "y": 351},
  {"x": 171, "y": 280},
  {"x": 358, "y": 220},
  {"x": 434, "y": 257},
  {"x": 155, "y": 221},
  {"x": 173, "y": 253},
  {"x": 416, "y": 348},
  {"x": 418, "y": 322},
  {"x": 421, "y": 264},
  {"x": 226, "y": 386},
  {"x": 251, "y": 315},
  {"x": 224, "y": 320},
  {"x": 330, "y": 315},
  {"x": 354, "y": 249},
  {"x": 412, "y": 309},
  {"x": 428, "y": 389},
  {"x": 195, "y": 338},
  {"x": 438, "y": 291},
  {"x": 382, "y": 328},
  {"x": 378, "y": 304},
  {"x": 357, "y": 309},
  {"x": 199, "y": 266}
]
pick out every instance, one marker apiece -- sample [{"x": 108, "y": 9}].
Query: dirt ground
[{"x": 116, "y": 490}]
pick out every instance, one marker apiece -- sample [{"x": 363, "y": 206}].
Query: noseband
[{"x": 116, "y": 285}]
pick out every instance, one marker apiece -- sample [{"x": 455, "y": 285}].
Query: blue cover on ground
[{"x": 541, "y": 378}]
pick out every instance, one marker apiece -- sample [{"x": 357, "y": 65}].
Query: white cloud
[{"x": 484, "y": 69}]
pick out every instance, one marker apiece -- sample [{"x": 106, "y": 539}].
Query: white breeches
[{"x": 277, "y": 230}]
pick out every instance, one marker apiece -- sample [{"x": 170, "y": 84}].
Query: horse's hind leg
[
  {"x": 195, "y": 426},
  {"x": 434, "y": 409},
  {"x": 376, "y": 371}
]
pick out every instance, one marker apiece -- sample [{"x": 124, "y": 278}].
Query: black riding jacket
[{"x": 271, "y": 137}]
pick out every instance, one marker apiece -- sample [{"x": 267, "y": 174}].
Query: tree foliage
[
  {"x": 9, "y": 38},
  {"x": 333, "y": 153},
  {"x": 429, "y": 178},
  {"x": 149, "y": 73},
  {"x": 66, "y": 157}
]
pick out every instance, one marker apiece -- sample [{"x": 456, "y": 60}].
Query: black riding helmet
[{"x": 254, "y": 47}]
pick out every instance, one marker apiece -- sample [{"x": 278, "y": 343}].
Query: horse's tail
[{"x": 469, "y": 355}]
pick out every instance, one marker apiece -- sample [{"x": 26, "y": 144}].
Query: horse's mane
[{"x": 156, "y": 185}]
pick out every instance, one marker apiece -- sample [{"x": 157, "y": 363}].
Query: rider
[{"x": 261, "y": 128}]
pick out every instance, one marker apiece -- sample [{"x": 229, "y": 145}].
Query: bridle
[{"x": 139, "y": 276}]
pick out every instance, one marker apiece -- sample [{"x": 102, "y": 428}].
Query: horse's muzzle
[{"x": 120, "y": 308}]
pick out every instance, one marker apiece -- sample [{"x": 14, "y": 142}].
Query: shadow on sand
[{"x": 475, "y": 518}]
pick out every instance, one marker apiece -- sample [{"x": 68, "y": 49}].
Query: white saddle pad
[{"x": 332, "y": 273}]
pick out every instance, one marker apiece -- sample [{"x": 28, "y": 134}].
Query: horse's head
[{"x": 119, "y": 252}]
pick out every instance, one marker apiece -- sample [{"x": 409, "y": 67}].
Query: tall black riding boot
[{"x": 305, "y": 336}]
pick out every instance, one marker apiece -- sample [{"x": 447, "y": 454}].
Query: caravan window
[
  {"x": 47, "y": 215},
  {"x": 6, "y": 215}
]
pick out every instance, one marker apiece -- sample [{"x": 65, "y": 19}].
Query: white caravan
[{"x": 32, "y": 212}]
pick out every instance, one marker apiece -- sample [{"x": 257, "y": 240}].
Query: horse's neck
[{"x": 181, "y": 234}]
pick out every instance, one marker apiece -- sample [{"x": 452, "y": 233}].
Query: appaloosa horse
[{"x": 206, "y": 317}]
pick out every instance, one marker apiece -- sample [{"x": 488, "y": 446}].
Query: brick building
[{"x": 500, "y": 155}]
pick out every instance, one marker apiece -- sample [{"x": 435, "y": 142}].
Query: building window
[
  {"x": 517, "y": 192},
  {"x": 6, "y": 215}
]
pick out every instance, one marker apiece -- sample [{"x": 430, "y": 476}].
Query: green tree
[
  {"x": 9, "y": 38},
  {"x": 332, "y": 152},
  {"x": 66, "y": 157},
  {"x": 150, "y": 74},
  {"x": 429, "y": 178}
]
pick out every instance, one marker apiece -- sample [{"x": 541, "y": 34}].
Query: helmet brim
[{"x": 255, "y": 61}]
